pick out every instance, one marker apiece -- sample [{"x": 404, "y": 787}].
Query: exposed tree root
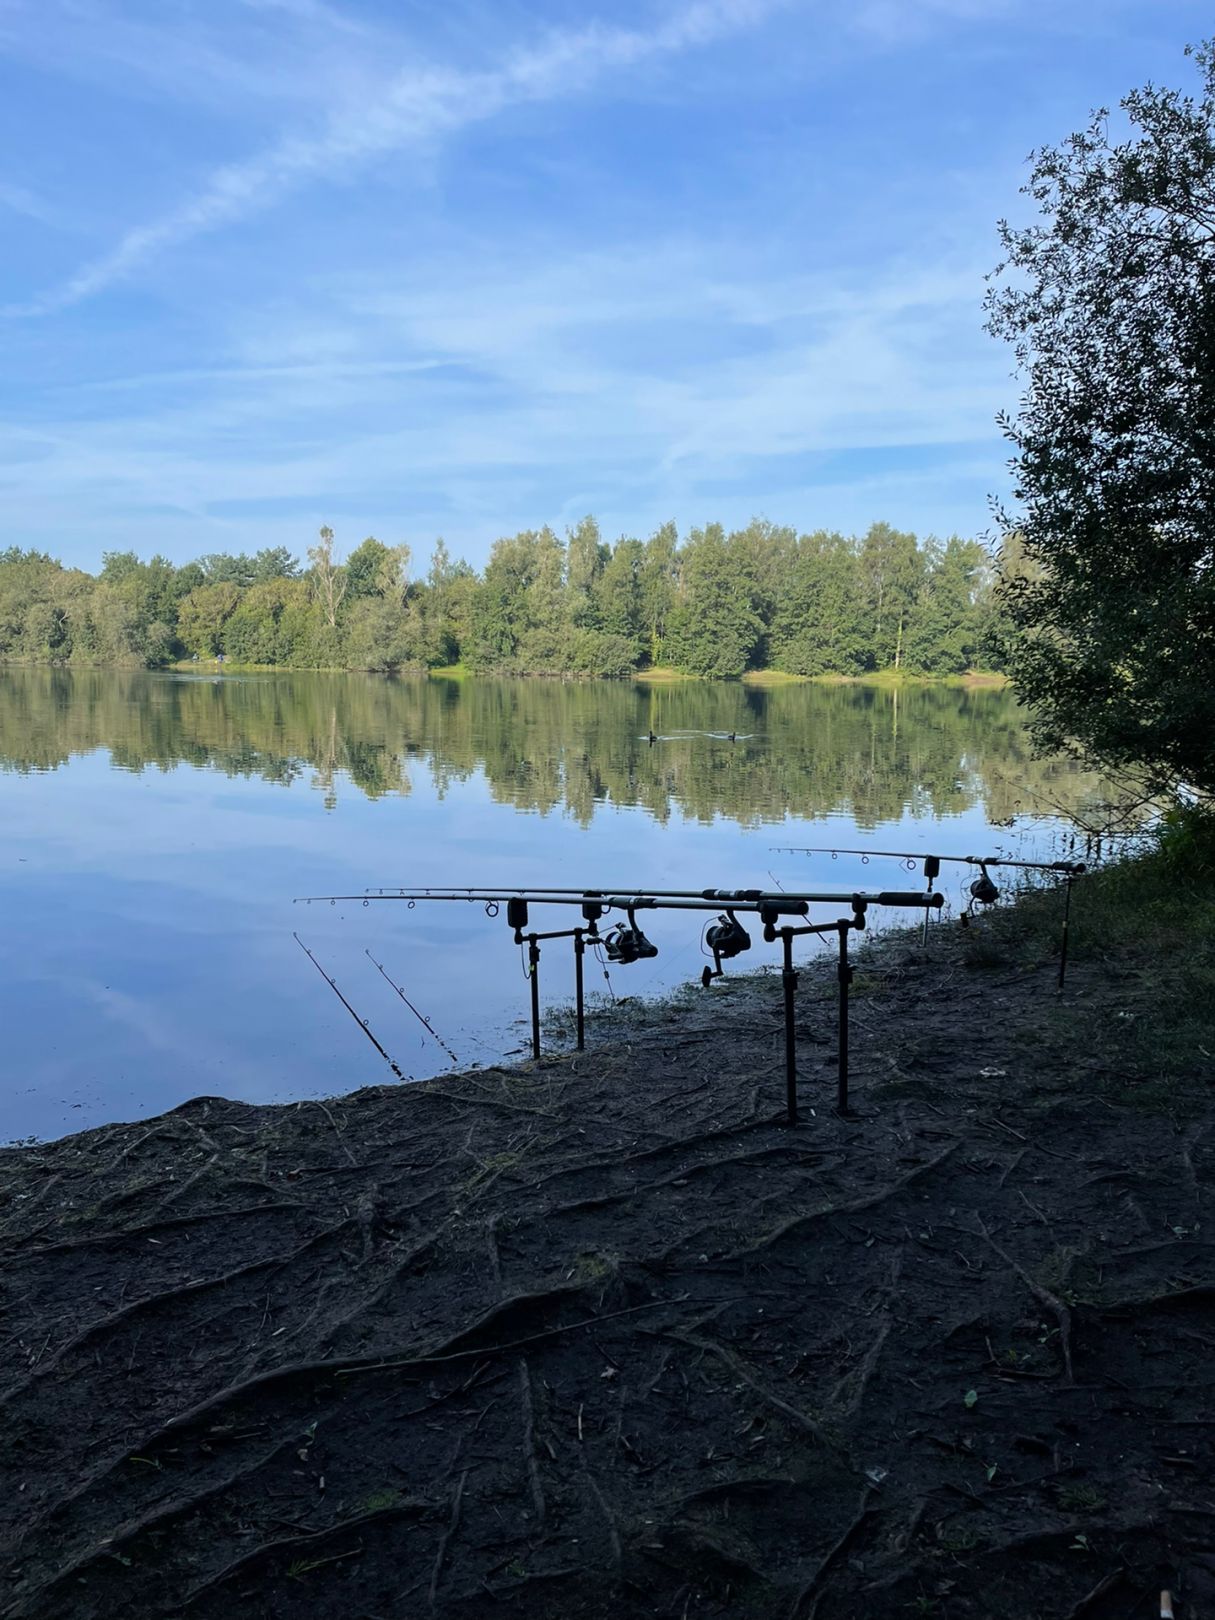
[
  {"x": 676, "y": 1144},
  {"x": 529, "y": 1441},
  {"x": 798, "y": 1418},
  {"x": 155, "y": 1518},
  {"x": 850, "y": 1391},
  {"x": 1044, "y": 1296},
  {"x": 407, "y": 1507},
  {"x": 445, "y": 1540},
  {"x": 166, "y": 1296},
  {"x": 127, "y": 1234},
  {"x": 1090, "y": 1599},
  {"x": 604, "y": 1200},
  {"x": 180, "y": 1189},
  {"x": 809, "y": 1589},
  {"x": 401, "y": 1267},
  {"x": 613, "y": 1528},
  {"x": 796, "y": 1223}
]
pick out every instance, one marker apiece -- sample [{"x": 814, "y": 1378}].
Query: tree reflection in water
[{"x": 869, "y": 753}]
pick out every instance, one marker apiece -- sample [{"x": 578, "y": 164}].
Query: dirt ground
[{"x": 603, "y": 1337}]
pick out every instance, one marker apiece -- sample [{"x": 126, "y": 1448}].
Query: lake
[{"x": 157, "y": 827}]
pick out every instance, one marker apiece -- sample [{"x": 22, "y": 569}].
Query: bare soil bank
[{"x": 603, "y": 1338}]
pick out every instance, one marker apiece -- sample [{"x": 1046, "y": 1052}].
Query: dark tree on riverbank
[{"x": 1109, "y": 304}]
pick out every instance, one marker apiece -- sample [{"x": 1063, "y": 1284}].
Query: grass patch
[
  {"x": 773, "y": 677},
  {"x": 1149, "y": 922}
]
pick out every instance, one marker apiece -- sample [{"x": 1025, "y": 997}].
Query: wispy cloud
[
  {"x": 476, "y": 396},
  {"x": 310, "y": 11},
  {"x": 20, "y": 201},
  {"x": 417, "y": 106}
]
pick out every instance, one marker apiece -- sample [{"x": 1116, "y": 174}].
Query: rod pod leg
[
  {"x": 789, "y": 981},
  {"x": 844, "y": 975},
  {"x": 1067, "y": 912},
  {"x": 932, "y": 871},
  {"x": 533, "y": 963},
  {"x": 579, "y": 1008}
]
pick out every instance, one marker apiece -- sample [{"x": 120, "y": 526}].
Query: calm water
[{"x": 155, "y": 829}]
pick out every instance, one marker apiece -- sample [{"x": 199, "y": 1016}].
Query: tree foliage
[
  {"x": 717, "y": 605},
  {"x": 1108, "y": 300}
]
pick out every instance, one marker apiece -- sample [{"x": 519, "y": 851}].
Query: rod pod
[
  {"x": 517, "y": 920},
  {"x": 595, "y": 903},
  {"x": 789, "y": 982}
]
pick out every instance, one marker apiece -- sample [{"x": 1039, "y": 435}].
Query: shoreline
[
  {"x": 602, "y": 1335},
  {"x": 764, "y": 679}
]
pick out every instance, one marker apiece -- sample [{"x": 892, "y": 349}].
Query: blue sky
[{"x": 412, "y": 269}]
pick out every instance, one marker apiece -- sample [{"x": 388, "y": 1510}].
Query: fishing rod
[
  {"x": 421, "y": 1017},
  {"x": 983, "y": 890},
  {"x": 625, "y": 942},
  {"x": 622, "y": 897},
  {"x": 1066, "y": 868},
  {"x": 362, "y": 1023}
]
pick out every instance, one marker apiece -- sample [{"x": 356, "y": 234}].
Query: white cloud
[
  {"x": 457, "y": 397},
  {"x": 416, "y": 106},
  {"x": 20, "y": 201},
  {"x": 314, "y": 12}
]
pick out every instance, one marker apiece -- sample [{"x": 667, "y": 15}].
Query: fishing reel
[
  {"x": 626, "y": 943},
  {"x": 983, "y": 891},
  {"x": 725, "y": 938}
]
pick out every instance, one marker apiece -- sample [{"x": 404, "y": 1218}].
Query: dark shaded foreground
[{"x": 603, "y": 1338}]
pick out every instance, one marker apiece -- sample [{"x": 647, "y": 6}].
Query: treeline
[{"x": 714, "y": 604}]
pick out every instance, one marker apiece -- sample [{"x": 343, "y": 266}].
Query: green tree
[
  {"x": 718, "y": 606},
  {"x": 586, "y": 557},
  {"x": 443, "y": 607},
  {"x": 618, "y": 608},
  {"x": 329, "y": 579},
  {"x": 658, "y": 580},
  {"x": 276, "y": 622},
  {"x": 767, "y": 551},
  {"x": 818, "y": 625},
  {"x": 714, "y": 628},
  {"x": 273, "y": 562},
  {"x": 202, "y": 615},
  {"x": 1108, "y": 301},
  {"x": 947, "y": 627},
  {"x": 135, "y": 609},
  {"x": 498, "y": 616},
  {"x": 544, "y": 645},
  {"x": 377, "y": 634},
  {"x": 225, "y": 568},
  {"x": 892, "y": 572},
  {"x": 374, "y": 569}
]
